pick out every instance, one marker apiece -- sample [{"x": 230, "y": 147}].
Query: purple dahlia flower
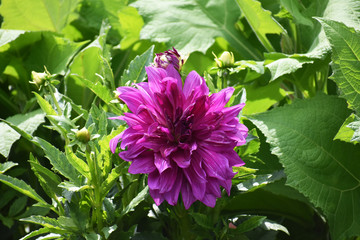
[{"x": 180, "y": 136}]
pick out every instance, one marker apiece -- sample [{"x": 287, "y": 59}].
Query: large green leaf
[
  {"x": 136, "y": 72},
  {"x": 345, "y": 60},
  {"x": 130, "y": 25},
  {"x": 7, "y": 36},
  {"x": 325, "y": 171},
  {"x": 192, "y": 25},
  {"x": 36, "y": 15},
  {"x": 27, "y": 122},
  {"x": 261, "y": 98},
  {"x": 53, "y": 52},
  {"x": 260, "y": 21}
]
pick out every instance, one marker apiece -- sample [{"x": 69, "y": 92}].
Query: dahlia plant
[{"x": 179, "y": 135}]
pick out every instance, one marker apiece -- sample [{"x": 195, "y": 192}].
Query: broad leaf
[
  {"x": 261, "y": 98},
  {"x": 136, "y": 72},
  {"x": 53, "y": 52},
  {"x": 260, "y": 21},
  {"x": 36, "y": 15},
  {"x": 282, "y": 64},
  {"x": 22, "y": 187},
  {"x": 26, "y": 122},
  {"x": 345, "y": 60},
  {"x": 325, "y": 171},
  {"x": 192, "y": 25},
  {"x": 36, "y": 233},
  {"x": 7, "y": 36},
  {"x": 130, "y": 25}
]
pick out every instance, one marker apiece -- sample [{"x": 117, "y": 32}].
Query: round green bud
[{"x": 83, "y": 135}]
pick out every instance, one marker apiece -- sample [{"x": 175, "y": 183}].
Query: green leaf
[
  {"x": 45, "y": 15},
  {"x": 36, "y": 233},
  {"x": 53, "y": 52},
  {"x": 346, "y": 133},
  {"x": 6, "y": 166},
  {"x": 43, "y": 221},
  {"x": 202, "y": 220},
  {"x": 345, "y": 60},
  {"x": 280, "y": 64},
  {"x": 325, "y": 171},
  {"x": 22, "y": 187},
  {"x": 261, "y": 98},
  {"x": 260, "y": 181},
  {"x": 48, "y": 180},
  {"x": 7, "y": 36},
  {"x": 90, "y": 68},
  {"x": 135, "y": 201},
  {"x": 17, "y": 206},
  {"x": 296, "y": 10},
  {"x": 355, "y": 126},
  {"x": 192, "y": 25},
  {"x": 111, "y": 179},
  {"x": 130, "y": 25},
  {"x": 77, "y": 163},
  {"x": 28, "y": 123},
  {"x": 45, "y": 105},
  {"x": 250, "y": 224},
  {"x": 260, "y": 21},
  {"x": 59, "y": 161},
  {"x": 136, "y": 72}
]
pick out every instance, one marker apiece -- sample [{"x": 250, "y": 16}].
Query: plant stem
[{"x": 54, "y": 99}]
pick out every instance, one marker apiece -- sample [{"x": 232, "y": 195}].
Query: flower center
[{"x": 182, "y": 131}]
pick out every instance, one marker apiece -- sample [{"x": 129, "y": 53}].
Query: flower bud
[
  {"x": 38, "y": 78},
  {"x": 162, "y": 60},
  {"x": 225, "y": 60},
  {"x": 83, "y": 135}
]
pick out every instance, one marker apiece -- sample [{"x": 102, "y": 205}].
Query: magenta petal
[
  {"x": 220, "y": 99},
  {"x": 114, "y": 142},
  {"x": 154, "y": 78},
  {"x": 161, "y": 163},
  {"x": 181, "y": 158},
  {"x": 172, "y": 72},
  {"x": 143, "y": 164},
  {"x": 158, "y": 198},
  {"x": 209, "y": 200},
  {"x": 187, "y": 196},
  {"x": 194, "y": 82}
]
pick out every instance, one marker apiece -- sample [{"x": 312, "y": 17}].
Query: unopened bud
[
  {"x": 38, "y": 78},
  {"x": 225, "y": 60},
  {"x": 83, "y": 135}
]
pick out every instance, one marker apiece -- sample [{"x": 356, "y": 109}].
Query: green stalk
[
  {"x": 54, "y": 99},
  {"x": 97, "y": 199}
]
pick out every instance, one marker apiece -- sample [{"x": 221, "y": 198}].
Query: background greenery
[{"x": 297, "y": 60}]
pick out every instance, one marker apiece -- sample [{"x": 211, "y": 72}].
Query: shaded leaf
[
  {"x": 325, "y": 171},
  {"x": 22, "y": 187}
]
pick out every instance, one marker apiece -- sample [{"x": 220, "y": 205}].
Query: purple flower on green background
[
  {"x": 170, "y": 57},
  {"x": 180, "y": 136}
]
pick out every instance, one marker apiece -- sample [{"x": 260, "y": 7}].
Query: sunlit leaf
[
  {"x": 36, "y": 15},
  {"x": 26, "y": 122},
  {"x": 260, "y": 21},
  {"x": 192, "y": 25}
]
